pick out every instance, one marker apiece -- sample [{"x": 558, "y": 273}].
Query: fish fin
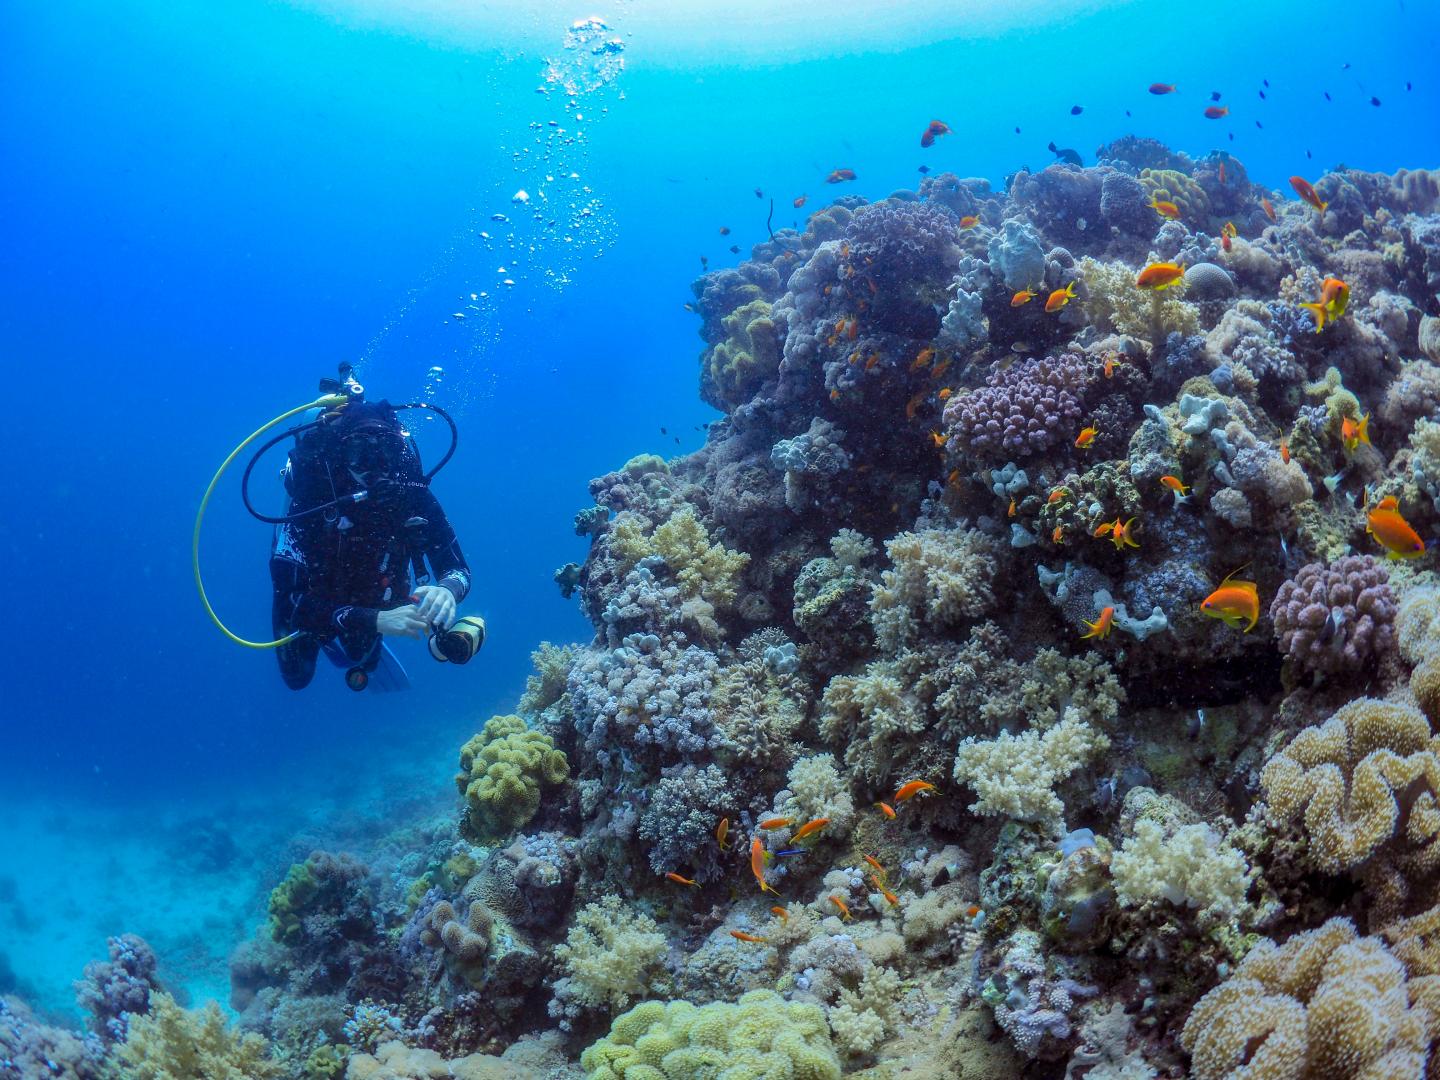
[{"x": 1318, "y": 310}]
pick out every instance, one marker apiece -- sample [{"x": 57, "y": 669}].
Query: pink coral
[{"x": 1337, "y": 617}]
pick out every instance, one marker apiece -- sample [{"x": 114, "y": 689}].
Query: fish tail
[{"x": 1318, "y": 310}]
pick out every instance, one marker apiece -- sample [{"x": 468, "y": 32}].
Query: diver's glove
[{"x": 460, "y": 642}]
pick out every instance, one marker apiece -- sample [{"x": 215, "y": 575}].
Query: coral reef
[{"x": 502, "y": 771}]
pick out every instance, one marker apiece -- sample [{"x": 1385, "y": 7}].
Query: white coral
[
  {"x": 1193, "y": 867},
  {"x": 1015, "y": 775}
]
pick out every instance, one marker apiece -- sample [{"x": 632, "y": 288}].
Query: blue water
[{"x": 209, "y": 206}]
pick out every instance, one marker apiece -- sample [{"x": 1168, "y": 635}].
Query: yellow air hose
[{"x": 328, "y": 401}]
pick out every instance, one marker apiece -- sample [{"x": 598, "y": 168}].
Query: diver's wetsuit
[{"x": 332, "y": 578}]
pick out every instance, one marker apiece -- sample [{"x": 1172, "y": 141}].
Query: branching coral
[
  {"x": 547, "y": 685},
  {"x": 708, "y": 571},
  {"x": 168, "y": 1043},
  {"x": 1337, "y": 617},
  {"x": 1327, "y": 1003},
  {"x": 501, "y": 773},
  {"x": 1015, "y": 775},
  {"x": 939, "y": 577},
  {"x": 761, "y": 1035},
  {"x": 1020, "y": 411},
  {"x": 612, "y": 955}
]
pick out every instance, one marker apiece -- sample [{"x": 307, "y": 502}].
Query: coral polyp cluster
[{"x": 1035, "y": 674}]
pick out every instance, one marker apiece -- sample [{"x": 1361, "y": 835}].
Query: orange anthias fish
[
  {"x": 1010, "y": 512},
  {"x": 1159, "y": 276},
  {"x": 852, "y": 328},
  {"x": 1215, "y": 112},
  {"x": 1056, "y": 495},
  {"x": 913, "y": 404},
  {"x": 1121, "y": 535},
  {"x": 799, "y": 202},
  {"x": 944, "y": 393},
  {"x": 940, "y": 368},
  {"x": 1100, "y": 628},
  {"x": 1162, "y": 88},
  {"x": 1165, "y": 209},
  {"x": 1024, "y": 296},
  {"x": 1222, "y": 172},
  {"x": 933, "y": 132},
  {"x": 1060, "y": 297},
  {"x": 839, "y": 176},
  {"x": 721, "y": 832},
  {"x": 913, "y": 788},
  {"x": 810, "y": 828},
  {"x": 683, "y": 880},
  {"x": 776, "y": 822},
  {"x": 1057, "y": 536},
  {"x": 871, "y": 361},
  {"x": 1228, "y": 232},
  {"x": 890, "y": 897},
  {"x": 1086, "y": 437},
  {"x": 1233, "y": 603},
  {"x": 1334, "y": 298},
  {"x": 969, "y": 221},
  {"x": 1268, "y": 207},
  {"x": 874, "y": 863},
  {"x": 922, "y": 358},
  {"x": 1352, "y": 434},
  {"x": 740, "y": 935},
  {"x": 1111, "y": 363},
  {"x": 1285, "y": 451},
  {"x": 1391, "y": 531},
  {"x": 780, "y": 913},
  {"x": 939, "y": 440},
  {"x": 1305, "y": 191},
  {"x": 886, "y": 809},
  {"x": 757, "y": 864},
  {"x": 1179, "y": 489},
  {"x": 844, "y": 907}
]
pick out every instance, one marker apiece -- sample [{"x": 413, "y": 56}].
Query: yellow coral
[
  {"x": 761, "y": 1035},
  {"x": 169, "y": 1043},
  {"x": 1112, "y": 301},
  {"x": 737, "y": 367},
  {"x": 704, "y": 571},
  {"x": 501, "y": 772},
  {"x": 1327, "y": 1003},
  {"x": 1342, "y": 779},
  {"x": 612, "y": 955},
  {"x": 1171, "y": 185}
]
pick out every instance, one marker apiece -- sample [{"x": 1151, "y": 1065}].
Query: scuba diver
[{"x": 364, "y": 551}]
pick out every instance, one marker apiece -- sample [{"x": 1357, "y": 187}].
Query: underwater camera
[{"x": 460, "y": 643}]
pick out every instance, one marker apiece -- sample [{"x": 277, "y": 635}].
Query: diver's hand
[
  {"x": 437, "y": 605},
  {"x": 402, "y": 622}
]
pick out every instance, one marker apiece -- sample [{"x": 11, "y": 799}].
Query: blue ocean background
[{"x": 210, "y": 206}]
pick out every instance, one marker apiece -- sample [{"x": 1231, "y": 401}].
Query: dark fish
[
  {"x": 1214, "y": 95},
  {"x": 734, "y": 249},
  {"x": 1267, "y": 83},
  {"x": 1068, "y": 156},
  {"x": 759, "y": 194},
  {"x": 1408, "y": 85},
  {"x": 677, "y": 440},
  {"x": 924, "y": 169},
  {"x": 1345, "y": 66},
  {"x": 792, "y": 851},
  {"x": 1076, "y": 110},
  {"x": 1259, "y": 125},
  {"x": 1017, "y": 130},
  {"x": 1309, "y": 155},
  {"x": 664, "y": 432},
  {"x": 1127, "y": 112},
  {"x": 1375, "y": 101},
  {"x": 1232, "y": 135},
  {"x": 1327, "y": 95},
  {"x": 1262, "y": 95},
  {"x": 704, "y": 263}
]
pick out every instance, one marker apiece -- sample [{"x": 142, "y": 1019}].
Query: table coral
[
  {"x": 502, "y": 770},
  {"x": 1327, "y": 1003},
  {"x": 760, "y": 1035}
]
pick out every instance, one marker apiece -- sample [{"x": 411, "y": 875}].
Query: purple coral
[
  {"x": 113, "y": 989},
  {"x": 1020, "y": 411},
  {"x": 1337, "y": 617},
  {"x": 908, "y": 251}
]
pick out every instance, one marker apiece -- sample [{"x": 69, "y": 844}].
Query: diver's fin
[{"x": 388, "y": 675}]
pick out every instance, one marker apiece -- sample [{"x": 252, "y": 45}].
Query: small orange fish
[
  {"x": 1060, "y": 297},
  {"x": 1334, "y": 297},
  {"x": 886, "y": 809},
  {"x": 1392, "y": 532},
  {"x": 1024, "y": 296},
  {"x": 944, "y": 393},
  {"x": 740, "y": 935},
  {"x": 757, "y": 864},
  {"x": 972, "y": 911},
  {"x": 1159, "y": 276},
  {"x": 1233, "y": 603},
  {"x": 844, "y": 907},
  {"x": 683, "y": 880},
  {"x": 1285, "y": 451},
  {"x": 1011, "y": 512},
  {"x": 1224, "y": 240},
  {"x": 1086, "y": 437},
  {"x": 969, "y": 221},
  {"x": 1056, "y": 495},
  {"x": 721, "y": 832},
  {"x": 844, "y": 249},
  {"x": 954, "y": 477},
  {"x": 922, "y": 358},
  {"x": 1058, "y": 535},
  {"x": 1100, "y": 628},
  {"x": 874, "y": 862},
  {"x": 1268, "y": 207},
  {"x": 890, "y": 897},
  {"x": 1162, "y": 88},
  {"x": 1111, "y": 363},
  {"x": 933, "y": 132},
  {"x": 780, "y": 913},
  {"x": 1215, "y": 112},
  {"x": 1165, "y": 209},
  {"x": 834, "y": 395},
  {"x": 939, "y": 440},
  {"x": 1352, "y": 434},
  {"x": 1181, "y": 490},
  {"x": 852, "y": 329},
  {"x": 799, "y": 202},
  {"x": 839, "y": 176},
  {"x": 871, "y": 361},
  {"x": 940, "y": 368},
  {"x": 1121, "y": 535},
  {"x": 1102, "y": 529},
  {"x": 1228, "y": 232},
  {"x": 913, "y": 788},
  {"x": 855, "y": 357},
  {"x": 776, "y": 822},
  {"x": 1305, "y": 191},
  {"x": 1222, "y": 172},
  {"x": 810, "y": 828},
  {"x": 913, "y": 404}
]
